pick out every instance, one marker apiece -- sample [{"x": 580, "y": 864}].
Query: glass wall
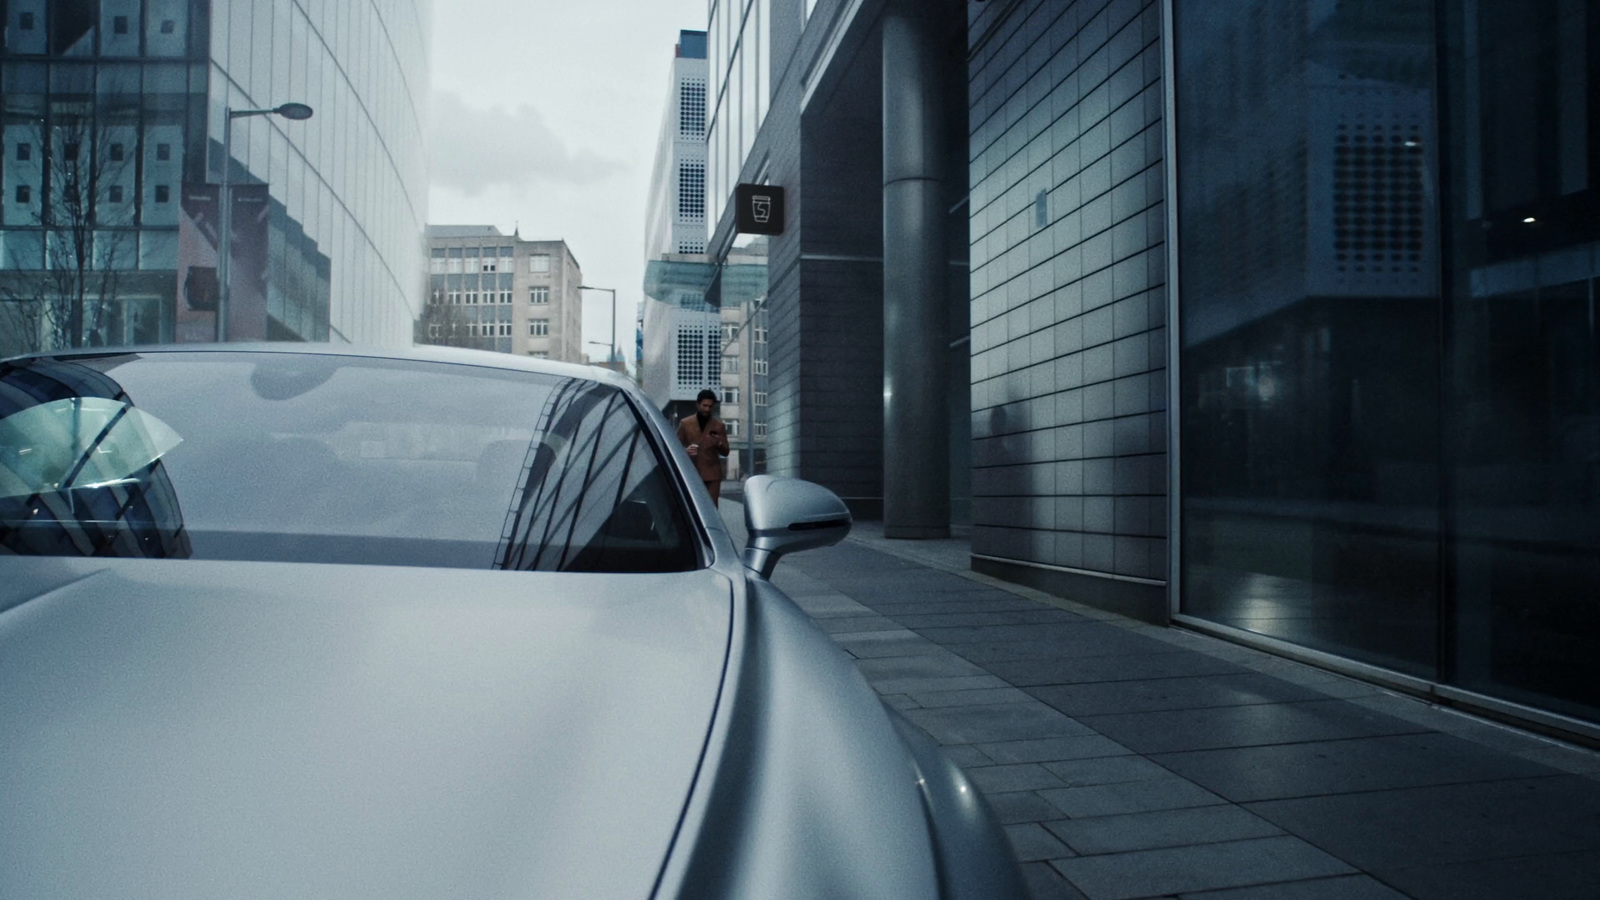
[
  {"x": 102, "y": 110},
  {"x": 740, "y": 91},
  {"x": 350, "y": 185},
  {"x": 112, "y": 118},
  {"x": 1522, "y": 162},
  {"x": 1390, "y": 390}
]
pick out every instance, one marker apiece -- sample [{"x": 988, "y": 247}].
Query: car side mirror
[{"x": 787, "y": 515}]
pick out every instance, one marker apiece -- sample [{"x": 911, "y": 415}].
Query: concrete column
[{"x": 916, "y": 453}]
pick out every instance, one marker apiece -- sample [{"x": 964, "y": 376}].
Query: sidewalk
[{"x": 1128, "y": 760}]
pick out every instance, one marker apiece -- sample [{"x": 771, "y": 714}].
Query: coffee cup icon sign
[{"x": 761, "y": 208}]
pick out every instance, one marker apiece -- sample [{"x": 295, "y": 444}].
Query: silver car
[{"x": 337, "y": 624}]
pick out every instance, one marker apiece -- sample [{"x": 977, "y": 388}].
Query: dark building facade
[{"x": 1273, "y": 320}]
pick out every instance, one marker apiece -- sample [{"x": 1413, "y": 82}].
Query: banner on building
[{"x": 198, "y": 287}]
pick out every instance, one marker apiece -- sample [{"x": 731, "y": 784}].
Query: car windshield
[{"x": 318, "y": 458}]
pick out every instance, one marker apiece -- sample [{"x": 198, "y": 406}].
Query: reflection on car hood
[{"x": 200, "y": 729}]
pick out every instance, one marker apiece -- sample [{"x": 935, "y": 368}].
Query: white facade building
[{"x": 493, "y": 291}]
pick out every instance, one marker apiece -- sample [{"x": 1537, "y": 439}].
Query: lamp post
[
  {"x": 613, "y": 335},
  {"x": 295, "y": 112}
]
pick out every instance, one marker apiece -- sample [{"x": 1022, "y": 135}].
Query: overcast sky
[{"x": 545, "y": 115}]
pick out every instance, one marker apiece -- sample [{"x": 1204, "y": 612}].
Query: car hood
[{"x": 208, "y": 729}]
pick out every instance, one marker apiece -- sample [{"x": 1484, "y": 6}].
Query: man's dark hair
[{"x": 708, "y": 395}]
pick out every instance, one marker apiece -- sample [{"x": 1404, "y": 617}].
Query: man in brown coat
[{"x": 706, "y": 439}]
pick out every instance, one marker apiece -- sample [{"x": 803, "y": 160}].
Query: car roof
[{"x": 451, "y": 355}]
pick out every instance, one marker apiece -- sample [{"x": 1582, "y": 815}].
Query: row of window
[
  {"x": 69, "y": 151},
  {"x": 536, "y": 328},
  {"x": 114, "y": 194},
  {"x": 27, "y": 21},
  {"x": 469, "y": 260},
  {"x": 734, "y": 427},
  {"x": 731, "y": 395},
  {"x": 537, "y": 296}
]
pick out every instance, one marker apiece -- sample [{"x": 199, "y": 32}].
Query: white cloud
[{"x": 475, "y": 149}]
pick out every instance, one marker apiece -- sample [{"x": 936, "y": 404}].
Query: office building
[
  {"x": 702, "y": 323},
  {"x": 1338, "y": 401},
  {"x": 113, "y": 126},
  {"x": 493, "y": 291}
]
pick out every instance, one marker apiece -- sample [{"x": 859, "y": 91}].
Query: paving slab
[
  {"x": 1194, "y": 692},
  {"x": 1167, "y": 662},
  {"x": 1003, "y": 722},
  {"x": 932, "y": 699},
  {"x": 1151, "y": 873},
  {"x": 1033, "y": 843},
  {"x": 1117, "y": 799},
  {"x": 1384, "y": 831},
  {"x": 1051, "y": 749},
  {"x": 1245, "y": 726},
  {"x": 1019, "y": 777},
  {"x": 1553, "y": 876},
  {"x": 1348, "y": 766},
  {"x": 1163, "y": 828},
  {"x": 1342, "y": 887}
]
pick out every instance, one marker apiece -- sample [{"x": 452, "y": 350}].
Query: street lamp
[
  {"x": 295, "y": 112},
  {"x": 613, "y": 335}
]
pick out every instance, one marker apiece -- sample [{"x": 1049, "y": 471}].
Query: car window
[{"x": 316, "y": 458}]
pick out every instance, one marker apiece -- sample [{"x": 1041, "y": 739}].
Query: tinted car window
[{"x": 314, "y": 458}]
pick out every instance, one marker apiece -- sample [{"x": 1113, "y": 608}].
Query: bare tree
[
  {"x": 83, "y": 189},
  {"x": 446, "y": 325}
]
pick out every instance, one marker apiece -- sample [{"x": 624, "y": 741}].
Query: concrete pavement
[{"x": 1129, "y": 761}]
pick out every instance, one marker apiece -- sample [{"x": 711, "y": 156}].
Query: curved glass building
[{"x": 113, "y": 118}]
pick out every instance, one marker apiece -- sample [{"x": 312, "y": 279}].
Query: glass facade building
[
  {"x": 1389, "y": 379},
  {"x": 739, "y": 41},
  {"x": 113, "y": 119}
]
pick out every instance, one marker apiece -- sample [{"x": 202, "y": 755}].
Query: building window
[
  {"x": 759, "y": 334},
  {"x": 733, "y": 427},
  {"x": 164, "y": 152},
  {"x": 730, "y": 395},
  {"x": 730, "y": 365},
  {"x": 758, "y": 398},
  {"x": 490, "y": 263},
  {"x": 539, "y": 264},
  {"x": 24, "y": 194},
  {"x": 169, "y": 26},
  {"x": 455, "y": 298},
  {"x": 163, "y": 193},
  {"x": 454, "y": 267},
  {"x": 436, "y": 262},
  {"x": 539, "y": 354},
  {"x": 692, "y": 109},
  {"x": 24, "y": 152},
  {"x": 472, "y": 297},
  {"x": 692, "y": 191},
  {"x": 119, "y": 24},
  {"x": 115, "y": 193},
  {"x": 538, "y": 296},
  {"x": 758, "y": 367},
  {"x": 506, "y": 296},
  {"x": 69, "y": 150},
  {"x": 539, "y": 327},
  {"x": 118, "y": 153},
  {"x": 761, "y": 429},
  {"x": 434, "y": 330}
]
